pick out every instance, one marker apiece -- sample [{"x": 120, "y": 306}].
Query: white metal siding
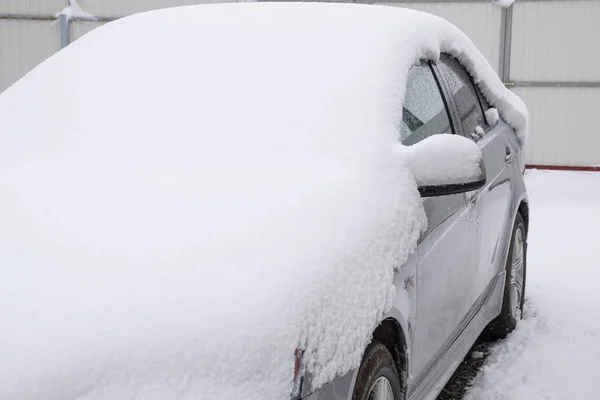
[
  {"x": 556, "y": 40},
  {"x": 32, "y": 7},
  {"x": 562, "y": 128},
  {"x": 551, "y": 41},
  {"x": 479, "y": 21},
  {"x": 80, "y": 28},
  {"x": 119, "y": 8},
  {"x": 23, "y": 45}
]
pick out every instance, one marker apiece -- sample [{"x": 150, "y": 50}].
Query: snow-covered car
[{"x": 258, "y": 201}]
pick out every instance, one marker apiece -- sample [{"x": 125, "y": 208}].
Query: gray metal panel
[
  {"x": 561, "y": 128},
  {"x": 505, "y": 42},
  {"x": 32, "y": 7},
  {"x": 479, "y": 21},
  {"x": 80, "y": 28},
  {"x": 27, "y": 16},
  {"x": 23, "y": 45},
  {"x": 118, "y": 8},
  {"x": 65, "y": 32},
  {"x": 556, "y": 41}
]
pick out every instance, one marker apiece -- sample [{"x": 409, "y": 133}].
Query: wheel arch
[
  {"x": 523, "y": 209},
  {"x": 391, "y": 334}
]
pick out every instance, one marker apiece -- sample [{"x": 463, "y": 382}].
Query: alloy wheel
[
  {"x": 517, "y": 274},
  {"x": 381, "y": 390}
]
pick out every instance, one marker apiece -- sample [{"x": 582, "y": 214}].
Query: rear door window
[
  {"x": 424, "y": 112},
  {"x": 465, "y": 94}
]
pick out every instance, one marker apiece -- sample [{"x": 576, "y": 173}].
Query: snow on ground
[{"x": 555, "y": 351}]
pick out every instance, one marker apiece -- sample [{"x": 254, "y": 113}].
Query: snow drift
[
  {"x": 553, "y": 354},
  {"x": 189, "y": 195}
]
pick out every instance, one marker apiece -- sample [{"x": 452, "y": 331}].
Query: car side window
[
  {"x": 424, "y": 112},
  {"x": 465, "y": 94}
]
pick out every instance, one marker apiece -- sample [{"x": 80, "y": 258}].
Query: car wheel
[
  {"x": 377, "y": 377},
  {"x": 514, "y": 287}
]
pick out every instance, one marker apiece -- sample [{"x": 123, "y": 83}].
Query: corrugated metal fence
[{"x": 545, "y": 50}]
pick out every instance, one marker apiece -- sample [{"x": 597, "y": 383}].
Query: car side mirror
[{"x": 446, "y": 164}]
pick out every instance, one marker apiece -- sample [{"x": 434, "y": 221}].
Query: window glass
[
  {"x": 465, "y": 94},
  {"x": 424, "y": 112}
]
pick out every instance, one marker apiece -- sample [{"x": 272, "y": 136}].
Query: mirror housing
[
  {"x": 446, "y": 164},
  {"x": 452, "y": 188}
]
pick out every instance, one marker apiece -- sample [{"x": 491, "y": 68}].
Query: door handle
[{"x": 509, "y": 155}]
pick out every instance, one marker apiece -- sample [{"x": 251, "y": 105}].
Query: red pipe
[{"x": 563, "y": 168}]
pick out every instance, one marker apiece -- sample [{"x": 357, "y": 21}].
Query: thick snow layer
[
  {"x": 503, "y": 3},
  {"x": 74, "y": 11},
  {"x": 188, "y": 195},
  {"x": 491, "y": 116},
  {"x": 444, "y": 159},
  {"x": 554, "y": 353}
]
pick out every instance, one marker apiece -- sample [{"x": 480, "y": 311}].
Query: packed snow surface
[
  {"x": 554, "y": 353},
  {"x": 189, "y": 195}
]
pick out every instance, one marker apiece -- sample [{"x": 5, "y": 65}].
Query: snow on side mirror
[{"x": 446, "y": 164}]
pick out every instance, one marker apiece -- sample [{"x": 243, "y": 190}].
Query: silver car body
[
  {"x": 453, "y": 285},
  {"x": 87, "y": 195}
]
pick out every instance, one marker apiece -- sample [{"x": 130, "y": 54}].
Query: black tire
[
  {"x": 376, "y": 363},
  {"x": 505, "y": 323}
]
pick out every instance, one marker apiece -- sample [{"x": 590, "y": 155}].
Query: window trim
[
  {"x": 479, "y": 97},
  {"x": 449, "y": 101},
  {"x": 438, "y": 80},
  {"x": 489, "y": 127},
  {"x": 453, "y": 100}
]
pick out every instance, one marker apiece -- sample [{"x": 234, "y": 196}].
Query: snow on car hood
[{"x": 189, "y": 195}]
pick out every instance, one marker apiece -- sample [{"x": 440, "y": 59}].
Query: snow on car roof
[{"x": 191, "y": 194}]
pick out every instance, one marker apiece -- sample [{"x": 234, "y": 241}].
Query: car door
[
  {"x": 495, "y": 197},
  {"x": 445, "y": 253}
]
